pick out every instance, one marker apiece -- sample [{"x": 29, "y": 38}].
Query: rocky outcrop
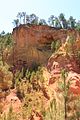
[
  {"x": 33, "y": 42},
  {"x": 56, "y": 63},
  {"x": 12, "y": 101},
  {"x": 65, "y": 60}
]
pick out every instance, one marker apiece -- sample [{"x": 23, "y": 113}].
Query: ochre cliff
[
  {"x": 69, "y": 61},
  {"x": 33, "y": 43}
]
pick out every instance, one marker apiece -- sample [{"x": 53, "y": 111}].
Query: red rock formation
[
  {"x": 13, "y": 100},
  {"x": 33, "y": 43},
  {"x": 58, "y": 61},
  {"x": 62, "y": 60}
]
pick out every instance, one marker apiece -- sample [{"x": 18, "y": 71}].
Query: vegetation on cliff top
[{"x": 53, "y": 21}]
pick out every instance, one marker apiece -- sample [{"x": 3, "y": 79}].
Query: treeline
[
  {"x": 6, "y": 43},
  {"x": 53, "y": 21}
]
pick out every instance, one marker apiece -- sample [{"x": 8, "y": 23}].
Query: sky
[{"x": 42, "y": 8}]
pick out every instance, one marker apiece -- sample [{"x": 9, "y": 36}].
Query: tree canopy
[{"x": 59, "y": 21}]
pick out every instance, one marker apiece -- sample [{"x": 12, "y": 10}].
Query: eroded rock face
[
  {"x": 33, "y": 43},
  {"x": 70, "y": 62},
  {"x": 56, "y": 63},
  {"x": 12, "y": 101}
]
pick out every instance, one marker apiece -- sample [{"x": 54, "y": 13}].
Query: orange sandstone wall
[{"x": 32, "y": 42}]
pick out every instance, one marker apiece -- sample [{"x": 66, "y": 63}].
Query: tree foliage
[
  {"x": 55, "y": 45},
  {"x": 59, "y": 22},
  {"x": 6, "y": 43}
]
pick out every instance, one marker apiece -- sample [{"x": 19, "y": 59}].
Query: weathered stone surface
[
  {"x": 12, "y": 101},
  {"x": 33, "y": 43},
  {"x": 63, "y": 60}
]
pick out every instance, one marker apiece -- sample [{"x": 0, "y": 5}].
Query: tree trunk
[{"x": 65, "y": 108}]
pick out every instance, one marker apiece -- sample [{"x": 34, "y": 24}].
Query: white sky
[{"x": 42, "y": 8}]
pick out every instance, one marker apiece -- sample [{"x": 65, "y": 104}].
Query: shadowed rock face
[{"x": 33, "y": 43}]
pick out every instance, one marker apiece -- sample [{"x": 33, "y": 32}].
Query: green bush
[{"x": 55, "y": 45}]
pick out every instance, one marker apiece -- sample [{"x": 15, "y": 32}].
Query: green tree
[
  {"x": 16, "y": 22},
  {"x": 5, "y": 44},
  {"x": 63, "y": 20},
  {"x": 2, "y": 45},
  {"x": 24, "y": 17},
  {"x": 27, "y": 19},
  {"x": 9, "y": 40},
  {"x": 78, "y": 26},
  {"x": 71, "y": 43},
  {"x": 65, "y": 85},
  {"x": 19, "y": 15},
  {"x": 42, "y": 22},
  {"x": 57, "y": 23},
  {"x": 33, "y": 19},
  {"x": 72, "y": 22},
  {"x": 51, "y": 20},
  {"x": 55, "y": 45}
]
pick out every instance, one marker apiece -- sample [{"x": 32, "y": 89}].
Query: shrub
[{"x": 55, "y": 45}]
